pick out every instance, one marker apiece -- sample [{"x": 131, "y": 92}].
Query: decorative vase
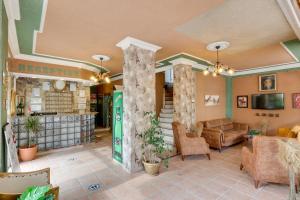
[
  {"x": 27, "y": 154},
  {"x": 152, "y": 168}
]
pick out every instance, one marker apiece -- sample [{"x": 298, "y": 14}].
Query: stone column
[
  {"x": 138, "y": 96},
  {"x": 184, "y": 90}
]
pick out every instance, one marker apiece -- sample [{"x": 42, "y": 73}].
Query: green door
[{"x": 117, "y": 125}]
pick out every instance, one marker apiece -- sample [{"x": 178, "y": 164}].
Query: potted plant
[
  {"x": 32, "y": 126},
  {"x": 153, "y": 146}
]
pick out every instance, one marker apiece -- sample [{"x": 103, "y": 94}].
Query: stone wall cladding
[
  {"x": 138, "y": 97},
  {"x": 184, "y": 95}
]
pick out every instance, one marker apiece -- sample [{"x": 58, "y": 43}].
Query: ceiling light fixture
[
  {"x": 218, "y": 68},
  {"x": 101, "y": 77}
]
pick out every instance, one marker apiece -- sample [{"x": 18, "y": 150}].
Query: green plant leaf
[
  {"x": 35, "y": 193},
  {"x": 153, "y": 144}
]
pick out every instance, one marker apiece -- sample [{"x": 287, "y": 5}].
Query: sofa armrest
[
  {"x": 241, "y": 126},
  {"x": 214, "y": 137}
]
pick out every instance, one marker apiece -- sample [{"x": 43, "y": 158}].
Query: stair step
[
  {"x": 165, "y": 110},
  {"x": 166, "y": 120},
  {"x": 165, "y": 125},
  {"x": 167, "y": 132},
  {"x": 169, "y": 98},
  {"x": 167, "y": 115},
  {"x": 168, "y": 106},
  {"x": 169, "y": 140},
  {"x": 168, "y": 102}
]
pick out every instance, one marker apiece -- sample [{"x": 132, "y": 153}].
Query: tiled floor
[{"x": 75, "y": 168}]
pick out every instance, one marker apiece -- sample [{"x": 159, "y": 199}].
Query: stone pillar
[
  {"x": 138, "y": 96},
  {"x": 184, "y": 90}
]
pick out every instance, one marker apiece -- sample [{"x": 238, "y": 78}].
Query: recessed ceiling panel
[{"x": 245, "y": 24}]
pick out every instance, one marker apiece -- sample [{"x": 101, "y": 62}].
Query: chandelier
[
  {"x": 101, "y": 77},
  {"x": 218, "y": 68}
]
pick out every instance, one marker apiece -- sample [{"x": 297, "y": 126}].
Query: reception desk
[{"x": 57, "y": 131}]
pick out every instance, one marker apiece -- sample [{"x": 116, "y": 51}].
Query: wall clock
[{"x": 59, "y": 85}]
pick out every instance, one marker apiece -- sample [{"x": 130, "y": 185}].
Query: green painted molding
[
  {"x": 293, "y": 46},
  {"x": 229, "y": 95},
  {"x": 31, "y": 16},
  {"x": 167, "y": 61}
]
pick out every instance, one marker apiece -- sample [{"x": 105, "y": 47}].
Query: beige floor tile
[
  {"x": 235, "y": 195},
  {"x": 75, "y": 168}
]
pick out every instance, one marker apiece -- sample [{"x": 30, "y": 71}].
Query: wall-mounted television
[{"x": 273, "y": 101}]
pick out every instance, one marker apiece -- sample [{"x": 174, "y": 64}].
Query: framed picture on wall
[
  {"x": 242, "y": 101},
  {"x": 267, "y": 82},
  {"x": 211, "y": 100},
  {"x": 296, "y": 100}
]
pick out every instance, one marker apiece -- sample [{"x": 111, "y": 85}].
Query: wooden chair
[{"x": 13, "y": 184}]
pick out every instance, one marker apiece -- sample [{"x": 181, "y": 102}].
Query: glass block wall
[{"x": 58, "y": 131}]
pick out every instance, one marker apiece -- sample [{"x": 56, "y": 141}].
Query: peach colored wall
[
  {"x": 208, "y": 85},
  {"x": 287, "y": 82},
  {"x": 159, "y": 90}
]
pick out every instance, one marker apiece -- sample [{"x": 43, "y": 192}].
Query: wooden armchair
[
  {"x": 189, "y": 145},
  {"x": 13, "y": 184}
]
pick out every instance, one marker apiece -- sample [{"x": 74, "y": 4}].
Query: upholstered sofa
[
  {"x": 189, "y": 144},
  {"x": 220, "y": 133},
  {"x": 262, "y": 163}
]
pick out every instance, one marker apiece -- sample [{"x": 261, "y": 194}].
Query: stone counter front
[{"x": 58, "y": 131}]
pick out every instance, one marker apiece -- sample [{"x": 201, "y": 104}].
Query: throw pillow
[{"x": 197, "y": 130}]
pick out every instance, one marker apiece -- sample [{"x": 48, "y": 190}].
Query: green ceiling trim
[
  {"x": 294, "y": 47},
  {"x": 31, "y": 16},
  {"x": 167, "y": 61},
  {"x": 102, "y": 70},
  {"x": 266, "y": 71}
]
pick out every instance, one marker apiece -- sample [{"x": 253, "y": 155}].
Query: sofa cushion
[
  {"x": 226, "y": 121},
  {"x": 216, "y": 123},
  {"x": 232, "y": 137},
  {"x": 227, "y": 127}
]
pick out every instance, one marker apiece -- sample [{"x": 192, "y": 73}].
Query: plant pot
[
  {"x": 152, "y": 168},
  {"x": 27, "y": 154}
]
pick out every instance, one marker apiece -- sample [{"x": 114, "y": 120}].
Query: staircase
[{"x": 166, "y": 119}]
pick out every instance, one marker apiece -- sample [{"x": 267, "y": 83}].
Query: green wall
[
  {"x": 229, "y": 97},
  {"x": 3, "y": 60}
]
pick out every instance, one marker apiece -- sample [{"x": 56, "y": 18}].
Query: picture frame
[
  {"x": 211, "y": 100},
  {"x": 267, "y": 82},
  {"x": 242, "y": 101},
  {"x": 296, "y": 100}
]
